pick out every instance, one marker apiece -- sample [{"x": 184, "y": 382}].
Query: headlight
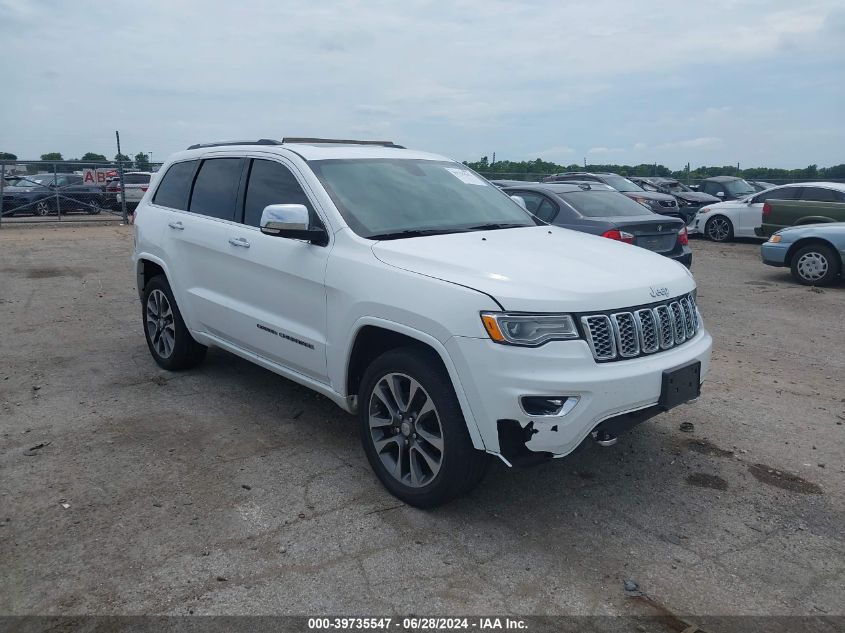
[
  {"x": 774, "y": 239},
  {"x": 643, "y": 201},
  {"x": 529, "y": 330},
  {"x": 704, "y": 210}
]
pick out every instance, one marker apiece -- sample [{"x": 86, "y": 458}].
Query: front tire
[
  {"x": 815, "y": 265},
  {"x": 413, "y": 431},
  {"x": 169, "y": 340},
  {"x": 41, "y": 209},
  {"x": 719, "y": 229}
]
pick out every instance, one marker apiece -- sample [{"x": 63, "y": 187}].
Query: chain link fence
[{"x": 70, "y": 191}]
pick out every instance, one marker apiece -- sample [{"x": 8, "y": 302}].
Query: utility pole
[
  {"x": 122, "y": 182},
  {"x": 494, "y": 159}
]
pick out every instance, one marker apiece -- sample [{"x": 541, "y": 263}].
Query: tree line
[
  {"x": 540, "y": 167},
  {"x": 141, "y": 161}
]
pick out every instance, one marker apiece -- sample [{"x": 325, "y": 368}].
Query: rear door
[
  {"x": 821, "y": 202},
  {"x": 277, "y": 284},
  {"x": 200, "y": 245}
]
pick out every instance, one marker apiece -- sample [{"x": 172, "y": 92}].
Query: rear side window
[
  {"x": 537, "y": 204},
  {"x": 176, "y": 185},
  {"x": 604, "y": 204},
  {"x": 216, "y": 188},
  {"x": 819, "y": 194},
  {"x": 786, "y": 193},
  {"x": 272, "y": 183}
]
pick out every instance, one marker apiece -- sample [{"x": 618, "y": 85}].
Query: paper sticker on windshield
[{"x": 465, "y": 175}]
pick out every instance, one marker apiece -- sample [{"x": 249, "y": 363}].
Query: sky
[{"x": 758, "y": 82}]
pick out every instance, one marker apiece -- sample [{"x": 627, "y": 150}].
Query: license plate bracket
[{"x": 680, "y": 385}]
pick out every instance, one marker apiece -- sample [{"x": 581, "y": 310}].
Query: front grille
[
  {"x": 668, "y": 203},
  {"x": 638, "y": 332}
]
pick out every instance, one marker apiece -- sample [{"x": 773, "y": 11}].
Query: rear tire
[
  {"x": 413, "y": 430},
  {"x": 169, "y": 340},
  {"x": 815, "y": 265},
  {"x": 719, "y": 229}
]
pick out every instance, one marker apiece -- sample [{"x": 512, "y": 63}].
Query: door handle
[
  {"x": 176, "y": 225},
  {"x": 239, "y": 241}
]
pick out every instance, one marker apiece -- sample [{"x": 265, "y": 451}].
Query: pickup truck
[{"x": 807, "y": 203}]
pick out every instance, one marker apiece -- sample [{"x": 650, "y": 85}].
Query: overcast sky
[{"x": 714, "y": 82}]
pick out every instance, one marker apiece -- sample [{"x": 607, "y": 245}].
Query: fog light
[{"x": 548, "y": 405}]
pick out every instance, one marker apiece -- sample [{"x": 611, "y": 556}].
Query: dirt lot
[{"x": 230, "y": 490}]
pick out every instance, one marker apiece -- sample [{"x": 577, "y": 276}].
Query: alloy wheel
[
  {"x": 161, "y": 327},
  {"x": 42, "y": 207},
  {"x": 812, "y": 266},
  {"x": 405, "y": 430},
  {"x": 718, "y": 229}
]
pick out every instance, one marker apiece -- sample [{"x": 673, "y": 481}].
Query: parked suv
[
  {"x": 726, "y": 187},
  {"x": 689, "y": 201},
  {"x": 658, "y": 202},
  {"x": 417, "y": 295},
  {"x": 135, "y": 184}
]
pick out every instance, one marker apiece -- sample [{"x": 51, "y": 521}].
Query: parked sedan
[
  {"x": 724, "y": 221},
  {"x": 600, "y": 210},
  {"x": 689, "y": 201},
  {"x": 43, "y": 194},
  {"x": 661, "y": 203},
  {"x": 807, "y": 203},
  {"x": 813, "y": 252}
]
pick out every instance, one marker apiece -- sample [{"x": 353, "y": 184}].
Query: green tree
[
  {"x": 7, "y": 156},
  {"x": 91, "y": 156},
  {"x": 142, "y": 161},
  {"x": 52, "y": 156}
]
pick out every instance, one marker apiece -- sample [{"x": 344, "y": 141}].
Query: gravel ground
[{"x": 228, "y": 490}]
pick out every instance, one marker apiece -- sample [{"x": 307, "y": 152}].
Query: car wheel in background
[
  {"x": 41, "y": 208},
  {"x": 94, "y": 206},
  {"x": 719, "y": 229},
  {"x": 170, "y": 342},
  {"x": 413, "y": 431},
  {"x": 815, "y": 265}
]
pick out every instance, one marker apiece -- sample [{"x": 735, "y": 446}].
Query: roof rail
[
  {"x": 261, "y": 141},
  {"x": 338, "y": 141}
]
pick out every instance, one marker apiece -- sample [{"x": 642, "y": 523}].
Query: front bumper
[
  {"x": 774, "y": 254},
  {"x": 494, "y": 377}
]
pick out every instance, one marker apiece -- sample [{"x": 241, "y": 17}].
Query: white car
[
  {"x": 417, "y": 295},
  {"x": 723, "y": 221},
  {"x": 135, "y": 185}
]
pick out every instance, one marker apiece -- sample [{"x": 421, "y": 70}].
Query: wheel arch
[
  {"x": 807, "y": 241},
  {"x": 373, "y": 337},
  {"x": 147, "y": 267}
]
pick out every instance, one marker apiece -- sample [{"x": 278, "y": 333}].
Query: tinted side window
[
  {"x": 787, "y": 193},
  {"x": 272, "y": 183},
  {"x": 136, "y": 179},
  {"x": 175, "y": 185},
  {"x": 710, "y": 187},
  {"x": 216, "y": 188},
  {"x": 819, "y": 194}
]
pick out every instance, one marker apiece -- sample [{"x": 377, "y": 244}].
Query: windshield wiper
[
  {"x": 494, "y": 226},
  {"x": 398, "y": 235}
]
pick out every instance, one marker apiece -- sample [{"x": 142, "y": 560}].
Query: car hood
[
  {"x": 648, "y": 195},
  {"x": 543, "y": 268},
  {"x": 696, "y": 196},
  {"x": 14, "y": 189}
]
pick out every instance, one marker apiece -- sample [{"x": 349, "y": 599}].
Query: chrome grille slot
[
  {"x": 600, "y": 336},
  {"x": 649, "y": 337},
  {"x": 689, "y": 316},
  {"x": 678, "y": 322},
  {"x": 645, "y": 330},
  {"x": 627, "y": 337},
  {"x": 664, "y": 320}
]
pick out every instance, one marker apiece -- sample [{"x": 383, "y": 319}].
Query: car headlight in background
[
  {"x": 775, "y": 239},
  {"x": 643, "y": 201},
  {"x": 528, "y": 330},
  {"x": 704, "y": 210}
]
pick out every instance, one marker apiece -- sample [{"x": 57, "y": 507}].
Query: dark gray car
[
  {"x": 726, "y": 187},
  {"x": 689, "y": 201},
  {"x": 599, "y": 209},
  {"x": 661, "y": 203}
]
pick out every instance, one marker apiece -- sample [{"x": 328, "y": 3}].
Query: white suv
[{"x": 414, "y": 293}]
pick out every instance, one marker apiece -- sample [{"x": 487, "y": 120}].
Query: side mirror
[
  {"x": 520, "y": 201},
  {"x": 720, "y": 194},
  {"x": 291, "y": 221}
]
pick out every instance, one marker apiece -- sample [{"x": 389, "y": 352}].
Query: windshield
[
  {"x": 603, "y": 204},
  {"x": 388, "y": 196},
  {"x": 621, "y": 184},
  {"x": 739, "y": 187},
  {"x": 34, "y": 181}
]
